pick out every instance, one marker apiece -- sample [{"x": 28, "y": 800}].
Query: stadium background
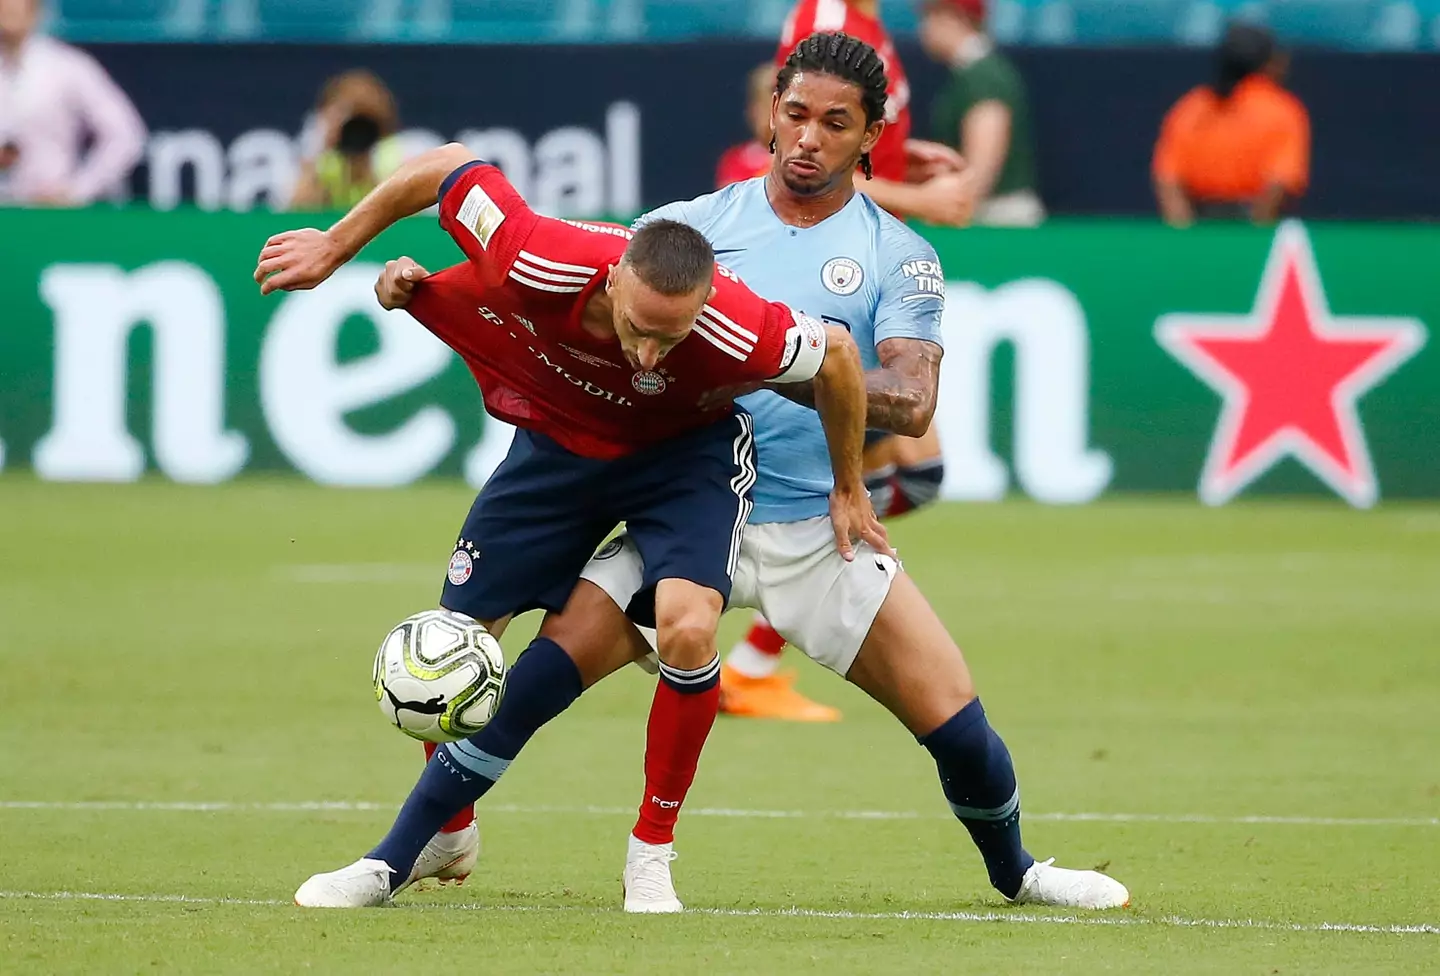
[{"x": 1236, "y": 706}]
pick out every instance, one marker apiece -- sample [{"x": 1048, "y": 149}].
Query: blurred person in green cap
[{"x": 983, "y": 112}]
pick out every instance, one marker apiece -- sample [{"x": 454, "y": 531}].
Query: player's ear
[
  {"x": 872, "y": 135},
  {"x": 711, "y": 296}
]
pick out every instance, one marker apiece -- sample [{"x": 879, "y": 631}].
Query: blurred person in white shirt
[{"x": 53, "y": 98}]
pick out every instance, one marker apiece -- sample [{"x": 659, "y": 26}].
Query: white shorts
[{"x": 793, "y": 574}]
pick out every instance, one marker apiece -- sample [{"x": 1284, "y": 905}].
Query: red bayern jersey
[
  {"x": 813, "y": 16},
  {"x": 513, "y": 313},
  {"x": 743, "y": 162}
]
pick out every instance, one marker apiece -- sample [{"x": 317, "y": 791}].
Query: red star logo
[{"x": 1290, "y": 373}]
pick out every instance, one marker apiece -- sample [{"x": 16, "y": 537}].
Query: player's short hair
[
  {"x": 671, "y": 257},
  {"x": 847, "y": 58}
]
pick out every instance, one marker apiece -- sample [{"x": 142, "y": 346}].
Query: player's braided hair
[{"x": 847, "y": 58}]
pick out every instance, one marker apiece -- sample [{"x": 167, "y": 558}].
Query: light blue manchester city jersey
[{"x": 860, "y": 268}]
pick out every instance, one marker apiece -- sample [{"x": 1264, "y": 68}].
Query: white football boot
[
  {"x": 448, "y": 858},
  {"x": 1045, "y": 884},
  {"x": 364, "y": 884},
  {"x": 647, "y": 885}
]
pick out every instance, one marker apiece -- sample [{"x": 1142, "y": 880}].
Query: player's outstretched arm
[
  {"x": 300, "y": 259},
  {"x": 840, "y": 400},
  {"x": 900, "y": 396}
]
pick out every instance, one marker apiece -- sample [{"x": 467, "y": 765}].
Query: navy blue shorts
[
  {"x": 874, "y": 436},
  {"x": 545, "y": 510}
]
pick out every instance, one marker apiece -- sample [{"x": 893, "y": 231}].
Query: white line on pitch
[
  {"x": 1007, "y": 918},
  {"x": 342, "y": 806},
  {"x": 1174, "y": 818},
  {"x": 147, "y": 899}
]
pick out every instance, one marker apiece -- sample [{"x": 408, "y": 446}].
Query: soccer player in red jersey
[
  {"x": 748, "y": 160},
  {"x": 618, "y": 357},
  {"x": 908, "y": 177}
]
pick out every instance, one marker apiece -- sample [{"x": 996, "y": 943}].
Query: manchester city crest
[{"x": 842, "y": 275}]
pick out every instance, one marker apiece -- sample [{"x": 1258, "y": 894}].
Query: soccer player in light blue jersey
[{"x": 803, "y": 235}]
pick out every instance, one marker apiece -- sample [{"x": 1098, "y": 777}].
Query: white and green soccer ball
[{"x": 439, "y": 676}]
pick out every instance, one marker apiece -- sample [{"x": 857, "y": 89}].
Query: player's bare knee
[
  {"x": 688, "y": 642},
  {"x": 685, "y": 638},
  {"x": 928, "y": 708},
  {"x": 949, "y": 688},
  {"x": 686, "y": 615}
]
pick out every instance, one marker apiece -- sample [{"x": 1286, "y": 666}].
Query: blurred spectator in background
[
  {"x": 351, "y": 143},
  {"x": 983, "y": 111},
  {"x": 911, "y": 177},
  {"x": 751, "y": 159},
  {"x": 1239, "y": 148},
  {"x": 53, "y": 97}
]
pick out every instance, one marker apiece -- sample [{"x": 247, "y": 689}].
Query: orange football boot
[{"x": 771, "y": 697}]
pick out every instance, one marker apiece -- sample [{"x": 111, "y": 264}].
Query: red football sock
[
  {"x": 462, "y": 819},
  {"x": 679, "y": 724},
  {"x": 765, "y": 638},
  {"x": 900, "y": 503}
]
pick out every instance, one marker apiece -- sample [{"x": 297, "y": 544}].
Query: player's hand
[
  {"x": 297, "y": 260},
  {"x": 397, "y": 282},
  {"x": 853, "y": 517},
  {"x": 926, "y": 159},
  {"x": 948, "y": 200}
]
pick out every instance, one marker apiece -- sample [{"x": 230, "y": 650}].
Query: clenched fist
[{"x": 397, "y": 282}]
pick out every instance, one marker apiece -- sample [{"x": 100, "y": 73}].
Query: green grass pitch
[{"x": 1246, "y": 700}]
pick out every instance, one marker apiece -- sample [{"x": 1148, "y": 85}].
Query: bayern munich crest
[
  {"x": 842, "y": 275},
  {"x": 648, "y": 382},
  {"x": 461, "y": 566}
]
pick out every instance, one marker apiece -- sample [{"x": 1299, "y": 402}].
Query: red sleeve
[
  {"x": 732, "y": 168},
  {"x": 766, "y": 340},
  {"x": 799, "y": 25},
  {"x": 486, "y": 217}
]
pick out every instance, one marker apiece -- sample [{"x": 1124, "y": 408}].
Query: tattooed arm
[{"x": 900, "y": 395}]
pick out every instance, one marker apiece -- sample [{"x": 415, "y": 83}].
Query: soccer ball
[{"x": 439, "y": 676}]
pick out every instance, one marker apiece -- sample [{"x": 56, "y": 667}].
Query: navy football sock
[
  {"x": 542, "y": 684},
  {"x": 979, "y": 781}
]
